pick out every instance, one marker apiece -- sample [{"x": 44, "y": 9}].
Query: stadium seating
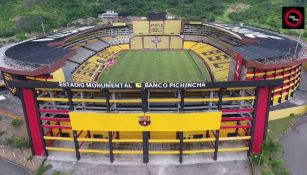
[
  {"x": 120, "y": 39},
  {"x": 119, "y": 35},
  {"x": 82, "y": 55},
  {"x": 68, "y": 68},
  {"x": 193, "y": 38},
  {"x": 216, "y": 60},
  {"x": 124, "y": 46},
  {"x": 90, "y": 69},
  {"x": 96, "y": 45},
  {"x": 188, "y": 44}
]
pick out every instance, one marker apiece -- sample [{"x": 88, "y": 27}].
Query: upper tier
[{"x": 45, "y": 54}]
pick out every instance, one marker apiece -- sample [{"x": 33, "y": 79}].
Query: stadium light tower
[
  {"x": 42, "y": 23},
  {"x": 297, "y": 42}
]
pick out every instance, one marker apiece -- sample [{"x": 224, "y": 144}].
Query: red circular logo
[{"x": 293, "y": 18}]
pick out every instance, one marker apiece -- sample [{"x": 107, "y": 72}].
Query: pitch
[{"x": 156, "y": 66}]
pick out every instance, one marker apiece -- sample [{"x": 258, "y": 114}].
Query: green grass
[
  {"x": 280, "y": 126},
  {"x": 270, "y": 161},
  {"x": 158, "y": 66}
]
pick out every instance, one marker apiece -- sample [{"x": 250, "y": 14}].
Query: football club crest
[
  {"x": 144, "y": 120},
  {"x": 155, "y": 40}
]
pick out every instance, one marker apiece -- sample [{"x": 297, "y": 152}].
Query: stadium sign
[
  {"x": 130, "y": 85},
  {"x": 96, "y": 85},
  {"x": 175, "y": 85},
  {"x": 156, "y": 27},
  {"x": 135, "y": 86}
]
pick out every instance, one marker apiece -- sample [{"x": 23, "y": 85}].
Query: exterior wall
[
  {"x": 164, "y": 42},
  {"x": 33, "y": 122},
  {"x": 136, "y": 43},
  {"x": 288, "y": 112},
  {"x": 176, "y": 42},
  {"x": 241, "y": 126},
  {"x": 291, "y": 76}
]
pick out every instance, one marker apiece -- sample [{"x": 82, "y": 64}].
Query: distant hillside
[{"x": 18, "y": 17}]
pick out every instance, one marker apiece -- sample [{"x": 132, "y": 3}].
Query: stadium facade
[{"x": 67, "y": 110}]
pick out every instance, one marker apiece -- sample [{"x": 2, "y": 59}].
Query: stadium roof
[
  {"x": 41, "y": 55},
  {"x": 260, "y": 44}
]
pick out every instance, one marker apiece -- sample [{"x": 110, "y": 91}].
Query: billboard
[{"x": 167, "y": 27}]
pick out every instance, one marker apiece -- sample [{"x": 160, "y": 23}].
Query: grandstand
[
  {"x": 216, "y": 60},
  {"x": 89, "y": 70},
  {"x": 119, "y": 39},
  {"x": 81, "y": 55},
  {"x": 96, "y": 46}
]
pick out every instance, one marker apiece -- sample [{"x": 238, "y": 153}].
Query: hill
[{"x": 19, "y": 17}]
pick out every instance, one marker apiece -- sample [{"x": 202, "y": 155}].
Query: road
[
  {"x": 294, "y": 145},
  {"x": 7, "y": 168},
  {"x": 210, "y": 168}
]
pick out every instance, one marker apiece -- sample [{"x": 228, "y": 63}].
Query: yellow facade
[
  {"x": 168, "y": 122},
  {"x": 172, "y": 27},
  {"x": 136, "y": 43},
  {"x": 140, "y": 27}
]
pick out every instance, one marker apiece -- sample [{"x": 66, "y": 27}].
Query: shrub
[
  {"x": 18, "y": 142},
  {"x": 2, "y": 133},
  {"x": 12, "y": 40},
  {"x": 21, "y": 36},
  {"x": 60, "y": 173},
  {"x": 269, "y": 161},
  {"x": 255, "y": 159},
  {"x": 30, "y": 158},
  {"x": 16, "y": 122},
  {"x": 42, "y": 169}
]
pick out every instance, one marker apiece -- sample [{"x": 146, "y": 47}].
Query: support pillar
[
  {"x": 180, "y": 147},
  {"x": 145, "y": 147},
  {"x": 111, "y": 146},
  {"x": 261, "y": 119},
  {"x": 35, "y": 131}
]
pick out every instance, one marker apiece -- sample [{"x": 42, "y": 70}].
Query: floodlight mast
[
  {"x": 297, "y": 41},
  {"x": 42, "y": 24}
]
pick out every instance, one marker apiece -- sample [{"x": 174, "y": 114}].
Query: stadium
[{"x": 152, "y": 87}]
